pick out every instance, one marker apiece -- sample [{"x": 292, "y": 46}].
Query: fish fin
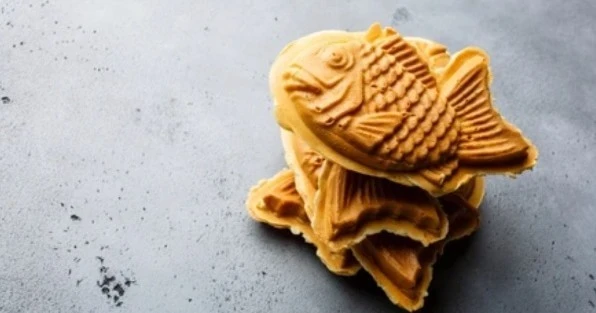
[
  {"x": 485, "y": 138},
  {"x": 407, "y": 55},
  {"x": 438, "y": 174},
  {"x": 388, "y": 31},
  {"x": 434, "y": 54},
  {"x": 374, "y": 32},
  {"x": 349, "y": 206},
  {"x": 397, "y": 257},
  {"x": 401, "y": 267},
  {"x": 370, "y": 130},
  {"x": 276, "y": 202}
]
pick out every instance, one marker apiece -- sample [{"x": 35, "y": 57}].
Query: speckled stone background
[{"x": 130, "y": 132}]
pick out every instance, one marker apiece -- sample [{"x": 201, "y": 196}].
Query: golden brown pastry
[
  {"x": 306, "y": 165},
  {"x": 370, "y": 103},
  {"x": 432, "y": 53},
  {"x": 348, "y": 206},
  {"x": 276, "y": 202},
  {"x": 387, "y": 139},
  {"x": 403, "y": 267},
  {"x": 306, "y": 162},
  {"x": 461, "y": 208},
  {"x": 400, "y": 266}
]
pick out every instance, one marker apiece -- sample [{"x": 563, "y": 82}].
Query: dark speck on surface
[
  {"x": 400, "y": 16},
  {"x": 128, "y": 282},
  {"x": 113, "y": 286},
  {"x": 591, "y": 276},
  {"x": 591, "y": 303},
  {"x": 118, "y": 288},
  {"x": 75, "y": 217},
  {"x": 5, "y": 100}
]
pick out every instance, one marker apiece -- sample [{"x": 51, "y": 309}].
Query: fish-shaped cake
[
  {"x": 276, "y": 202},
  {"x": 345, "y": 207},
  {"x": 402, "y": 267},
  {"x": 307, "y": 163},
  {"x": 369, "y": 102}
]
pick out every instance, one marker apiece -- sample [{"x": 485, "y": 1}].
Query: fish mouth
[{"x": 300, "y": 80}]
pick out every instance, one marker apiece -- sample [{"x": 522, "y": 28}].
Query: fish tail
[{"x": 485, "y": 138}]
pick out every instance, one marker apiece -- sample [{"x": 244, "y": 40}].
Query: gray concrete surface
[{"x": 130, "y": 132}]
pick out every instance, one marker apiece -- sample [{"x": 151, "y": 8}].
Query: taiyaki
[
  {"x": 306, "y": 163},
  {"x": 345, "y": 206},
  {"x": 370, "y": 103},
  {"x": 402, "y": 267},
  {"x": 275, "y": 202}
]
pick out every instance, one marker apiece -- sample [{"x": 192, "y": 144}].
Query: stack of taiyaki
[{"x": 387, "y": 139}]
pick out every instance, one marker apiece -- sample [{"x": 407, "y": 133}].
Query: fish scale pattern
[{"x": 396, "y": 80}]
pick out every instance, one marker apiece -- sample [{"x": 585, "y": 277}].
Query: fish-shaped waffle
[
  {"x": 400, "y": 266},
  {"x": 403, "y": 267},
  {"x": 306, "y": 162},
  {"x": 370, "y": 103},
  {"x": 276, "y": 202},
  {"x": 348, "y": 206}
]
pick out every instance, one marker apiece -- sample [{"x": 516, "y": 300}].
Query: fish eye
[{"x": 337, "y": 57}]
